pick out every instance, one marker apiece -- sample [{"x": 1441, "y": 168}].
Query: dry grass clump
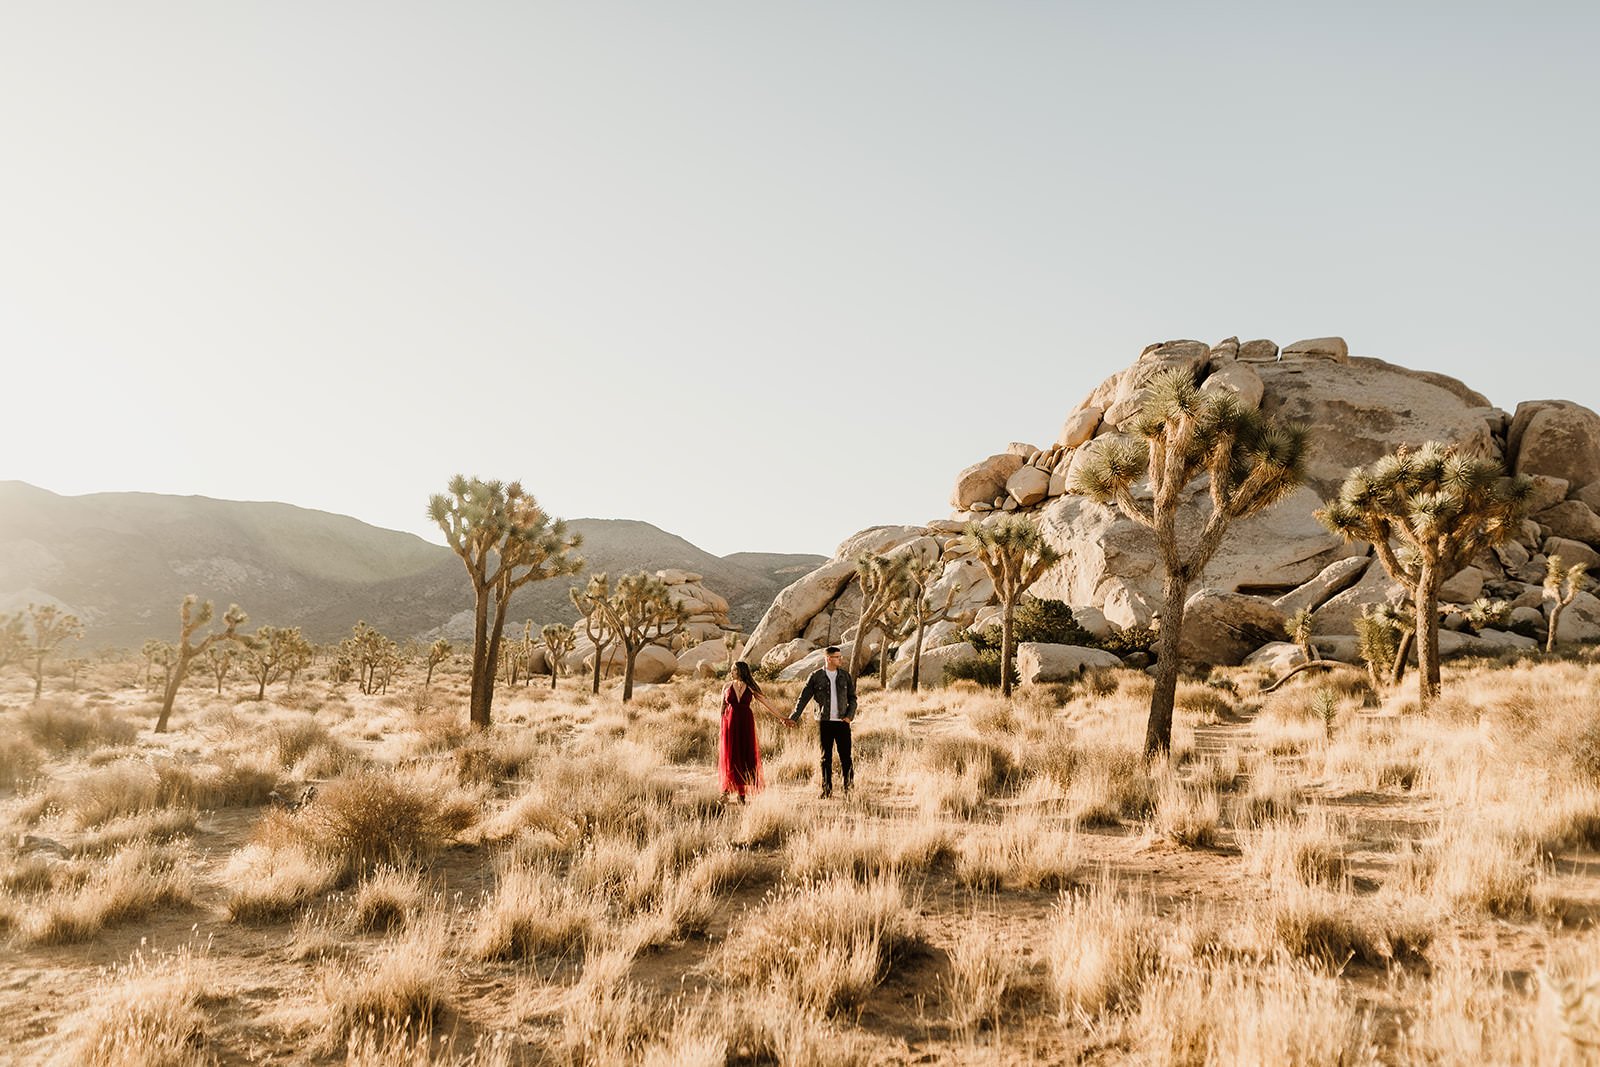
[
  {"x": 158, "y": 826},
  {"x": 1111, "y": 784},
  {"x": 607, "y": 1019},
  {"x": 1023, "y": 852},
  {"x": 19, "y": 759},
  {"x": 145, "y": 1013},
  {"x": 405, "y": 985},
  {"x": 1308, "y": 851},
  {"x": 1186, "y": 814},
  {"x": 1567, "y": 820},
  {"x": 826, "y": 945},
  {"x": 276, "y": 875},
  {"x": 1228, "y": 1011},
  {"x": 386, "y": 900},
  {"x": 847, "y": 848},
  {"x": 134, "y": 882},
  {"x": 1331, "y": 928},
  {"x": 617, "y": 793},
  {"x": 680, "y": 735},
  {"x": 1475, "y": 868},
  {"x": 130, "y": 787},
  {"x": 1099, "y": 949},
  {"x": 535, "y": 913},
  {"x": 767, "y": 821},
  {"x": 57, "y": 725},
  {"x": 987, "y": 977},
  {"x": 366, "y": 820},
  {"x": 498, "y": 754},
  {"x": 986, "y": 762}
]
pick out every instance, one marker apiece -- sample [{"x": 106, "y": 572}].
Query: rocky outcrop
[{"x": 1355, "y": 409}]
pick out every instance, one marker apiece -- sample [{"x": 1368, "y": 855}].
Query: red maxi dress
[{"x": 738, "y": 754}]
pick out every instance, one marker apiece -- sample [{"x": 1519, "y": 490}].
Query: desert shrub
[
  {"x": 59, "y": 726},
  {"x": 826, "y": 945},
  {"x": 1474, "y": 868},
  {"x": 160, "y": 825},
  {"x": 1127, "y": 641},
  {"x": 497, "y": 754},
  {"x": 367, "y": 820},
  {"x": 851, "y": 850},
  {"x": 1331, "y": 928},
  {"x": 680, "y": 735},
  {"x": 983, "y": 669},
  {"x": 1111, "y": 783},
  {"x": 1185, "y": 814},
  {"x": 19, "y": 759},
  {"x": 146, "y": 1012},
  {"x": 987, "y": 760},
  {"x": 1307, "y": 852}
]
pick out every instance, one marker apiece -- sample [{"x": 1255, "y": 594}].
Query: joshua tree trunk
[
  {"x": 599, "y": 654},
  {"x": 1427, "y": 636},
  {"x": 1006, "y": 651},
  {"x": 1555, "y": 620},
  {"x": 1158, "y": 732},
  {"x": 916, "y": 658},
  {"x": 38, "y": 675},
  {"x": 485, "y": 659},
  {"x": 630, "y": 653},
  {"x": 174, "y": 680}
]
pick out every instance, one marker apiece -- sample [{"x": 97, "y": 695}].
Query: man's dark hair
[{"x": 831, "y": 649}]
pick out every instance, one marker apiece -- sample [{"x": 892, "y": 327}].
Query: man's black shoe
[{"x": 826, "y": 794}]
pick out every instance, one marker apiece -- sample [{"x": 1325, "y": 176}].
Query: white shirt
[{"x": 833, "y": 693}]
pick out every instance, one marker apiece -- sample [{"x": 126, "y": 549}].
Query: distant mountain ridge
[{"x": 122, "y": 561}]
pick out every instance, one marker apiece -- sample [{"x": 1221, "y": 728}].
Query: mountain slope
[{"x": 122, "y": 561}]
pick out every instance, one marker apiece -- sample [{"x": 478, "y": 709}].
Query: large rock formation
[{"x": 1355, "y": 409}]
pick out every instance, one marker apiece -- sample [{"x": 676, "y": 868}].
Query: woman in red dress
[{"x": 738, "y": 754}]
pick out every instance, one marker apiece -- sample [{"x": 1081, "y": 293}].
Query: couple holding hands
[{"x": 833, "y": 691}]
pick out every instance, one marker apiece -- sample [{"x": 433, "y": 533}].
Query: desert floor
[{"x": 1319, "y": 875}]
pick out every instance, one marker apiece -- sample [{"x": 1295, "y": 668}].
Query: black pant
[{"x": 835, "y": 732}]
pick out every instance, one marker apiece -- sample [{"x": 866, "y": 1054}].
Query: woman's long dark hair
[{"x": 741, "y": 671}]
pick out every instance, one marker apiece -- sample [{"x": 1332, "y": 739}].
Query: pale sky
[{"x": 760, "y": 273}]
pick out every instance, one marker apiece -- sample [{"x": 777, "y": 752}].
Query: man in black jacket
[{"x": 835, "y": 694}]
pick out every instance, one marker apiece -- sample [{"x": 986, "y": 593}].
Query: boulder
[
  {"x": 1079, "y": 427},
  {"x": 1557, "y": 438},
  {"x": 713, "y": 653},
  {"x": 937, "y": 635},
  {"x": 1329, "y": 348},
  {"x": 1276, "y": 657},
  {"x": 1223, "y": 627},
  {"x": 935, "y": 661},
  {"x": 1224, "y": 351},
  {"x": 1580, "y": 620},
  {"x": 1462, "y": 587},
  {"x": 1038, "y": 662},
  {"x": 1092, "y": 619},
  {"x": 802, "y": 668},
  {"x": 780, "y": 656},
  {"x": 1125, "y": 606},
  {"x": 1511, "y": 555},
  {"x": 984, "y": 480},
  {"x": 1528, "y": 616},
  {"x": 1571, "y": 519},
  {"x": 1342, "y": 647},
  {"x": 655, "y": 664},
  {"x": 1258, "y": 351},
  {"x": 1500, "y": 639},
  {"x": 795, "y": 606},
  {"x": 1573, "y": 552},
  {"x": 673, "y": 576},
  {"x": 1028, "y": 486},
  {"x": 1022, "y": 449},
  {"x": 1239, "y": 379},
  {"x": 1547, "y": 493},
  {"x": 1589, "y": 494},
  {"x": 1333, "y": 579},
  {"x": 1130, "y": 394},
  {"x": 1338, "y": 614}
]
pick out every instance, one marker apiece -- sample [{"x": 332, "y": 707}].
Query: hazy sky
[{"x": 759, "y": 273}]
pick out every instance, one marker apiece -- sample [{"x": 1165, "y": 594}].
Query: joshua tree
[
  {"x": 559, "y": 640},
  {"x": 50, "y": 627},
  {"x": 219, "y": 658},
  {"x": 158, "y": 654},
  {"x": 13, "y": 639},
  {"x": 1561, "y": 585},
  {"x": 191, "y": 620},
  {"x": 883, "y": 582},
  {"x": 922, "y": 576},
  {"x": 897, "y": 619},
  {"x": 1180, "y": 435},
  {"x": 1299, "y": 628},
  {"x": 366, "y": 651},
  {"x": 1426, "y": 513},
  {"x": 639, "y": 611},
  {"x": 1015, "y": 555},
  {"x": 506, "y": 541},
  {"x": 271, "y": 650},
  {"x": 731, "y": 641},
  {"x": 588, "y": 601},
  {"x": 437, "y": 653}
]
